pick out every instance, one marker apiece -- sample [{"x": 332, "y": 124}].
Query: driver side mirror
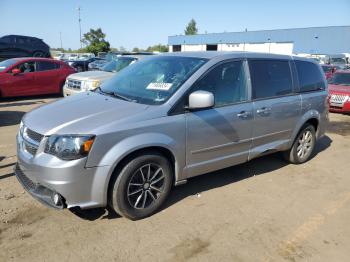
[
  {"x": 200, "y": 100},
  {"x": 16, "y": 71}
]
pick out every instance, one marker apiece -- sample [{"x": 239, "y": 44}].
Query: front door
[
  {"x": 276, "y": 105},
  {"x": 221, "y": 136},
  {"x": 23, "y": 83}
]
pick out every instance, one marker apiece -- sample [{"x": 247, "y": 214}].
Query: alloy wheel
[{"x": 145, "y": 186}]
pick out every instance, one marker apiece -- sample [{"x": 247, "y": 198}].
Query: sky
[{"x": 141, "y": 23}]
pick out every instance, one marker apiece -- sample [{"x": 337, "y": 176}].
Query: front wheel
[
  {"x": 303, "y": 146},
  {"x": 142, "y": 186}
]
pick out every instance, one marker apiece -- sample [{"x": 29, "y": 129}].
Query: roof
[
  {"x": 34, "y": 58},
  {"x": 24, "y": 36},
  {"x": 234, "y": 54}
]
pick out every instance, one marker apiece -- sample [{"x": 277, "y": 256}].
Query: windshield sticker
[{"x": 159, "y": 86}]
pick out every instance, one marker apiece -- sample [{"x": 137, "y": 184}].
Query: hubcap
[
  {"x": 146, "y": 186},
  {"x": 304, "y": 145}
]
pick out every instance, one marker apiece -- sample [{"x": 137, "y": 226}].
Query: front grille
[
  {"x": 26, "y": 182},
  {"x": 30, "y": 149},
  {"x": 33, "y": 135},
  {"x": 74, "y": 84},
  {"x": 339, "y": 98}
]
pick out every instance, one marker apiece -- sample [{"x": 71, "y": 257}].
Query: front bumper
[
  {"x": 42, "y": 175},
  {"x": 344, "y": 108},
  {"x": 69, "y": 91}
]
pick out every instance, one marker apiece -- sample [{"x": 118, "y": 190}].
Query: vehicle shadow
[
  {"x": 25, "y": 101},
  {"x": 10, "y": 118},
  {"x": 200, "y": 184}
]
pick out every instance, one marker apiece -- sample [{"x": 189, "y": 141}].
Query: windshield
[
  {"x": 118, "y": 64},
  {"x": 6, "y": 64},
  {"x": 327, "y": 69},
  {"x": 334, "y": 60},
  {"x": 340, "y": 79},
  {"x": 153, "y": 80}
]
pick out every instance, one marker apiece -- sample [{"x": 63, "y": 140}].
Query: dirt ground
[{"x": 265, "y": 210}]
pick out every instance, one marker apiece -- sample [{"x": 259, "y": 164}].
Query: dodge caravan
[{"x": 166, "y": 119}]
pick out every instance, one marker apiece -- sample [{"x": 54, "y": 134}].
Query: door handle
[
  {"x": 263, "y": 111},
  {"x": 244, "y": 114}
]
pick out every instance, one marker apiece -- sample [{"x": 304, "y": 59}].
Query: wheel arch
[
  {"x": 312, "y": 117},
  {"x": 133, "y": 146}
]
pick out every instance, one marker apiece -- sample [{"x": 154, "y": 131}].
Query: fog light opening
[{"x": 57, "y": 199}]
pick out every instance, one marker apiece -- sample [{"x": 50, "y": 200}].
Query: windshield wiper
[
  {"x": 123, "y": 97},
  {"x": 115, "y": 94}
]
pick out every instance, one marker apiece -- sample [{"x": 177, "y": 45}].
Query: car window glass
[
  {"x": 6, "y": 39},
  {"x": 310, "y": 77},
  {"x": 227, "y": 82},
  {"x": 45, "y": 66},
  {"x": 21, "y": 40},
  {"x": 26, "y": 67},
  {"x": 270, "y": 78}
]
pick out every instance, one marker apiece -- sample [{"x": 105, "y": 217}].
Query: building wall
[{"x": 313, "y": 40}]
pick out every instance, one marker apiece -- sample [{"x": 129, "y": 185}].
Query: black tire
[
  {"x": 80, "y": 69},
  {"x": 38, "y": 54},
  {"x": 294, "y": 155},
  {"x": 135, "y": 177},
  {"x": 61, "y": 93}
]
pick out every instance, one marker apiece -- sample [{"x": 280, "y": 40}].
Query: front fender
[{"x": 132, "y": 144}]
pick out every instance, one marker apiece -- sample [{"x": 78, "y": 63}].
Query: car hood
[
  {"x": 339, "y": 89},
  {"x": 84, "y": 113},
  {"x": 91, "y": 75}
]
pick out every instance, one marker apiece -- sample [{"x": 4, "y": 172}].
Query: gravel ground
[{"x": 264, "y": 210}]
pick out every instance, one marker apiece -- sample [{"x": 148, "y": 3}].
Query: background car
[
  {"x": 97, "y": 64},
  {"x": 339, "y": 92},
  {"x": 82, "y": 65},
  {"x": 328, "y": 70},
  {"x": 85, "y": 81},
  {"x": 32, "y": 76},
  {"x": 12, "y": 46}
]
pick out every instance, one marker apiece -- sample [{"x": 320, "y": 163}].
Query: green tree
[
  {"x": 136, "y": 49},
  {"x": 95, "y": 41},
  {"x": 158, "y": 48},
  {"x": 191, "y": 28}
]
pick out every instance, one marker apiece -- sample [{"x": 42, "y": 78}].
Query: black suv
[{"x": 22, "y": 46}]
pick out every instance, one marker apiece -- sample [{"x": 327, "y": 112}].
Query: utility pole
[
  {"x": 79, "y": 9},
  {"x": 61, "y": 40}
]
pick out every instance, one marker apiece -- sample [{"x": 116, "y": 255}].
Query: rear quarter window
[
  {"x": 270, "y": 78},
  {"x": 310, "y": 76}
]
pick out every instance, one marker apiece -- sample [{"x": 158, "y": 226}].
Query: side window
[
  {"x": 45, "y": 66},
  {"x": 270, "y": 78},
  {"x": 21, "y": 40},
  {"x": 310, "y": 77},
  {"x": 27, "y": 67},
  {"x": 226, "y": 81},
  {"x": 6, "y": 39}
]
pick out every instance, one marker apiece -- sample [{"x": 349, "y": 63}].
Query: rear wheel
[
  {"x": 142, "y": 186},
  {"x": 303, "y": 146},
  {"x": 38, "y": 54}
]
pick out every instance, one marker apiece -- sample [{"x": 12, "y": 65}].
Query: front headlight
[
  {"x": 69, "y": 147},
  {"x": 91, "y": 85},
  {"x": 21, "y": 128}
]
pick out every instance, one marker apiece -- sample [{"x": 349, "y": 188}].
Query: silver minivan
[{"x": 166, "y": 119}]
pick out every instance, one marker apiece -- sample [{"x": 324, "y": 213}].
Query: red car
[
  {"x": 328, "y": 71},
  {"x": 32, "y": 76},
  {"x": 339, "y": 92}
]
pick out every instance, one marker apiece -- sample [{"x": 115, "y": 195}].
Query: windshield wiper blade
[{"x": 123, "y": 97}]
